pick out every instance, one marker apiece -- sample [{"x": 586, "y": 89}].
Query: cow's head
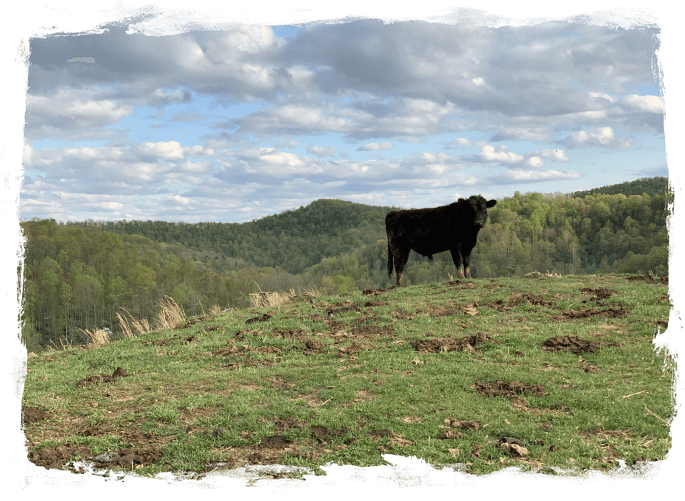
[{"x": 476, "y": 209}]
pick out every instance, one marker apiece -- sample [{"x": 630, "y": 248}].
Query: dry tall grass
[
  {"x": 261, "y": 299},
  {"x": 133, "y": 327},
  {"x": 170, "y": 316},
  {"x": 97, "y": 336}
]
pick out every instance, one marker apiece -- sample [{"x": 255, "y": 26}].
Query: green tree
[
  {"x": 29, "y": 336},
  {"x": 88, "y": 295},
  {"x": 142, "y": 277},
  {"x": 65, "y": 297},
  {"x": 121, "y": 293}
]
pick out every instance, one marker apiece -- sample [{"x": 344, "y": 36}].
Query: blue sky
[{"x": 234, "y": 125}]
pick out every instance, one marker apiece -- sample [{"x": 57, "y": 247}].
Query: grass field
[{"x": 532, "y": 372}]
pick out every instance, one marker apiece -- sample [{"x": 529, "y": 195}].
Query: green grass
[{"x": 199, "y": 409}]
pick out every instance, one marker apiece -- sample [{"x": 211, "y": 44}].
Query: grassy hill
[{"x": 542, "y": 373}]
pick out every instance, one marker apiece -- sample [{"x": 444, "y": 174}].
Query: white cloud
[
  {"x": 28, "y": 155},
  {"x": 597, "y": 96},
  {"x": 321, "y": 152},
  {"x": 170, "y": 150},
  {"x": 555, "y": 155},
  {"x": 500, "y": 154},
  {"x": 376, "y": 147},
  {"x": 73, "y": 109},
  {"x": 198, "y": 151},
  {"x": 505, "y": 133},
  {"x": 603, "y": 136},
  {"x": 529, "y": 176},
  {"x": 650, "y": 104},
  {"x": 534, "y": 162}
]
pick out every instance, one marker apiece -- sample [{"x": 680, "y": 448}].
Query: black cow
[{"x": 452, "y": 227}]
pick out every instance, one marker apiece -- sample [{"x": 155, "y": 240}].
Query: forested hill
[
  {"x": 302, "y": 238},
  {"x": 293, "y": 240},
  {"x": 650, "y": 185}
]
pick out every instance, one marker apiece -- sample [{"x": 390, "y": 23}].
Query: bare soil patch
[
  {"x": 610, "y": 312},
  {"x": 601, "y": 293},
  {"x": 262, "y": 318},
  {"x": 436, "y": 345},
  {"x": 574, "y": 344},
  {"x": 376, "y": 292},
  {"x": 443, "y": 311},
  {"x": 102, "y": 378},
  {"x": 511, "y": 389},
  {"x": 33, "y": 415}
]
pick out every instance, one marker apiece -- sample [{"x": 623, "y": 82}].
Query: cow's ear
[
  {"x": 490, "y": 203},
  {"x": 461, "y": 201}
]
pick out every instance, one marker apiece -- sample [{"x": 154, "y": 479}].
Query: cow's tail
[{"x": 389, "y": 260}]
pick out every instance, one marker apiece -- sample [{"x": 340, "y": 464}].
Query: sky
[{"x": 238, "y": 124}]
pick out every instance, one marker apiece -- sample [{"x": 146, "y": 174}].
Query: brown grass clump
[
  {"x": 170, "y": 316},
  {"x": 97, "y": 337},
  {"x": 135, "y": 327},
  {"x": 261, "y": 299},
  {"x": 215, "y": 310},
  {"x": 68, "y": 345}
]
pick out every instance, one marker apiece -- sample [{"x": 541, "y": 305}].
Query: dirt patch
[
  {"x": 436, "y": 345},
  {"x": 516, "y": 447},
  {"x": 378, "y": 434},
  {"x": 376, "y": 292},
  {"x": 464, "y": 425},
  {"x": 650, "y": 279},
  {"x": 355, "y": 347},
  {"x": 314, "y": 345},
  {"x": 60, "y": 457},
  {"x": 243, "y": 333},
  {"x": 574, "y": 344},
  {"x": 102, "y": 378},
  {"x": 335, "y": 326},
  {"x": 517, "y": 298},
  {"x": 601, "y": 293},
  {"x": 443, "y": 311},
  {"x": 272, "y": 449},
  {"x": 324, "y": 434},
  {"x": 403, "y": 316},
  {"x": 504, "y": 389},
  {"x": 238, "y": 350},
  {"x": 147, "y": 451},
  {"x": 262, "y": 318},
  {"x": 340, "y": 332},
  {"x": 230, "y": 351},
  {"x": 33, "y": 415},
  {"x": 296, "y": 334},
  {"x": 375, "y": 303},
  {"x": 610, "y": 312},
  {"x": 456, "y": 284},
  {"x": 164, "y": 342},
  {"x": 334, "y": 311}
]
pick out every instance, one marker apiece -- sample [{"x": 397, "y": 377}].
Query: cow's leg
[
  {"x": 456, "y": 257},
  {"x": 467, "y": 265},
  {"x": 390, "y": 264},
  {"x": 401, "y": 258}
]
